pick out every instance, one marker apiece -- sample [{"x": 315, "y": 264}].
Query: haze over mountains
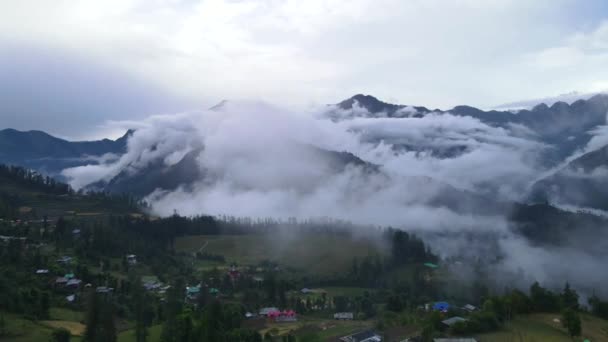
[
  {"x": 472, "y": 183},
  {"x": 543, "y": 137}
]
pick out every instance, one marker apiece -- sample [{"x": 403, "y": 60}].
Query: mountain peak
[
  {"x": 601, "y": 99},
  {"x": 560, "y": 105},
  {"x": 540, "y": 107},
  {"x": 372, "y": 104}
]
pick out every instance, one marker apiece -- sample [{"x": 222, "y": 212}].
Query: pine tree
[
  {"x": 44, "y": 305},
  {"x": 569, "y": 298},
  {"x": 140, "y": 303},
  {"x": 572, "y": 322},
  {"x": 173, "y": 308},
  {"x": 2, "y": 325},
  {"x": 108, "y": 328},
  {"x": 100, "y": 320},
  {"x": 92, "y": 318}
]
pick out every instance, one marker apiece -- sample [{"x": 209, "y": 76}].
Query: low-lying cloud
[{"x": 261, "y": 161}]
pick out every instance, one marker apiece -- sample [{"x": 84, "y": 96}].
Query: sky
[{"x": 68, "y": 67}]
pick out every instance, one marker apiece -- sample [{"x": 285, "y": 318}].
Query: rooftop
[
  {"x": 367, "y": 335},
  {"x": 453, "y": 320}
]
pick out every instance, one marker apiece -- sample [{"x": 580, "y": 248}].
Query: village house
[
  {"x": 152, "y": 284},
  {"x": 233, "y": 272},
  {"x": 73, "y": 283},
  {"x": 265, "y": 311},
  {"x": 453, "y": 320},
  {"x": 192, "y": 293},
  {"x": 441, "y": 306},
  {"x": 60, "y": 281},
  {"x": 469, "y": 308},
  {"x": 64, "y": 260},
  {"x": 362, "y": 336},
  {"x": 6, "y": 238},
  {"x": 283, "y": 316},
  {"x": 131, "y": 259},
  {"x": 71, "y": 298}
]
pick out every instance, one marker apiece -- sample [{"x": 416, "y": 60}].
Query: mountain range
[{"x": 562, "y": 126}]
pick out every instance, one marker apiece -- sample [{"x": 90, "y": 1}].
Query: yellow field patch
[{"x": 75, "y": 328}]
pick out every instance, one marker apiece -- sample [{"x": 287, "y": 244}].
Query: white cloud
[
  {"x": 296, "y": 52},
  {"x": 256, "y": 164},
  {"x": 254, "y": 149}
]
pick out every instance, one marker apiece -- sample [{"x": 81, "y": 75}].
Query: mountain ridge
[{"x": 44, "y": 152}]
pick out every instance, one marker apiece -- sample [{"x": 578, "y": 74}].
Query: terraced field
[{"x": 321, "y": 254}]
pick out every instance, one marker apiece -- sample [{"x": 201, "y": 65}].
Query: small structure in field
[
  {"x": 362, "y": 336},
  {"x": 104, "y": 289},
  {"x": 344, "y": 316}
]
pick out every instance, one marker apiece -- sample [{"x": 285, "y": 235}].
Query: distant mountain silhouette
[
  {"x": 562, "y": 125},
  {"x": 46, "y": 153}
]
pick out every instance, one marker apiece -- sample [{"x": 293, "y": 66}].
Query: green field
[
  {"x": 542, "y": 328},
  {"x": 323, "y": 328},
  {"x": 62, "y": 314},
  {"x": 320, "y": 254},
  {"x": 22, "y": 330},
  {"x": 129, "y": 335}
]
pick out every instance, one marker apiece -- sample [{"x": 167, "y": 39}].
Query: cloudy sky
[{"x": 69, "y": 66}]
